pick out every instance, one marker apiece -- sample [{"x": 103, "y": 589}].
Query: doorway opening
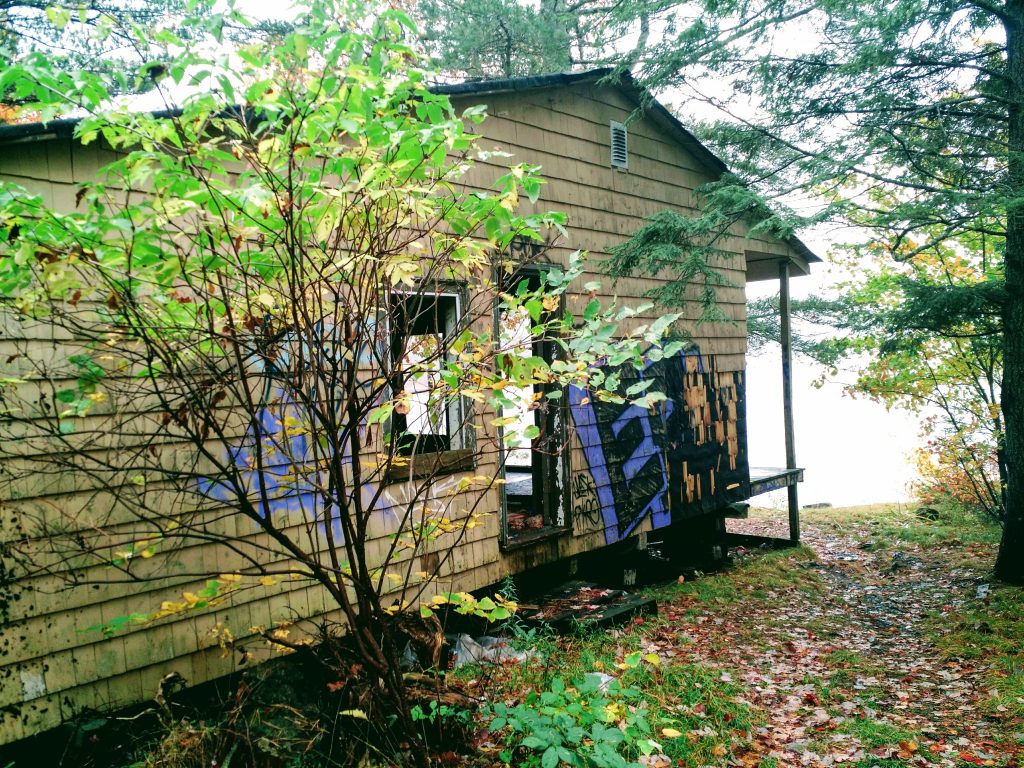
[{"x": 532, "y": 465}]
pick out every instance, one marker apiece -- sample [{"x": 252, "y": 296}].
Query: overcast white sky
[{"x": 854, "y": 450}]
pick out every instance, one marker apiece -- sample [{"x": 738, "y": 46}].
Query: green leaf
[
  {"x": 59, "y": 17},
  {"x": 67, "y": 395},
  {"x": 535, "y": 308},
  {"x": 531, "y": 186}
]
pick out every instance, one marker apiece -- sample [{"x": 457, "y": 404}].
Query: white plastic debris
[
  {"x": 496, "y": 650},
  {"x": 600, "y": 679}
]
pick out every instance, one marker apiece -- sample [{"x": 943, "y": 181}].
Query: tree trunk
[{"x": 1010, "y": 561}]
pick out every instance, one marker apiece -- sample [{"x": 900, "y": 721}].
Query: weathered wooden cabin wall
[
  {"x": 566, "y": 130},
  {"x": 51, "y": 665},
  {"x": 50, "y": 668}
]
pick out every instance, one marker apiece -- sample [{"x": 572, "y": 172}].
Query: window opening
[
  {"x": 531, "y": 465},
  {"x": 428, "y": 417}
]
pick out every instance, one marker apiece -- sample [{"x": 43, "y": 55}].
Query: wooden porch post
[{"x": 787, "y": 395}]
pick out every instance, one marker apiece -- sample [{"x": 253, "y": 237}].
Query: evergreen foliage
[
  {"x": 495, "y": 38},
  {"x": 683, "y": 245},
  {"x": 504, "y": 38},
  {"x": 817, "y": 319},
  {"x": 905, "y": 120}
]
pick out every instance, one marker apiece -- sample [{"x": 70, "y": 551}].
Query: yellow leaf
[
  {"x": 190, "y": 598},
  {"x": 719, "y": 750},
  {"x": 267, "y": 581},
  {"x": 230, "y": 577},
  {"x": 652, "y": 658},
  {"x": 671, "y": 733}
]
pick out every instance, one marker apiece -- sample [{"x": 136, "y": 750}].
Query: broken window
[{"x": 429, "y": 418}]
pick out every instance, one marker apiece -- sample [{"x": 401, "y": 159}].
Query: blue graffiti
[
  {"x": 640, "y": 459},
  {"x": 644, "y": 452},
  {"x": 278, "y": 470}
]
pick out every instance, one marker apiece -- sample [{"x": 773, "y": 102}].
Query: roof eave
[{"x": 65, "y": 127}]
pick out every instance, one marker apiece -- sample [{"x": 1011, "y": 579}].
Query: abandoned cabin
[{"x": 627, "y": 472}]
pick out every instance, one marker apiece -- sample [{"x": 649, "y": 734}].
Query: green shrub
[{"x": 579, "y": 725}]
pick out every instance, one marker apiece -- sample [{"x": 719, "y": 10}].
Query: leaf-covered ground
[
  {"x": 877, "y": 643},
  {"x": 862, "y": 670}
]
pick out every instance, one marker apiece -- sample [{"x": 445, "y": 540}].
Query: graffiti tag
[
  {"x": 684, "y": 457},
  {"x": 585, "y": 509}
]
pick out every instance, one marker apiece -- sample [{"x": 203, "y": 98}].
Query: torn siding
[{"x": 684, "y": 457}]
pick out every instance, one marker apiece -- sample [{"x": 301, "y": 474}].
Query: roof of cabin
[{"x": 650, "y": 107}]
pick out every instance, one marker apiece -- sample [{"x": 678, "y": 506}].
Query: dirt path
[{"x": 847, "y": 674}]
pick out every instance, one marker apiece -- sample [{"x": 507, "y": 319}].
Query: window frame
[
  {"x": 430, "y": 455},
  {"x": 549, "y": 468}
]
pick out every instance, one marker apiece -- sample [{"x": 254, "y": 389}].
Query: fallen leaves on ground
[
  {"x": 815, "y": 657},
  {"x": 845, "y": 674}
]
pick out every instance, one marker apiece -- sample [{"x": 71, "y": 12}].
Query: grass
[
  {"x": 989, "y": 631},
  {"x": 879, "y": 736},
  {"x": 873, "y": 734},
  {"x": 886, "y": 526},
  {"x": 759, "y": 578},
  {"x": 847, "y": 669},
  {"x": 986, "y": 631},
  {"x": 711, "y": 713},
  {"x": 706, "y": 707}
]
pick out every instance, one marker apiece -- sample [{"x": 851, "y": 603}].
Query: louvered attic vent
[{"x": 620, "y": 152}]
